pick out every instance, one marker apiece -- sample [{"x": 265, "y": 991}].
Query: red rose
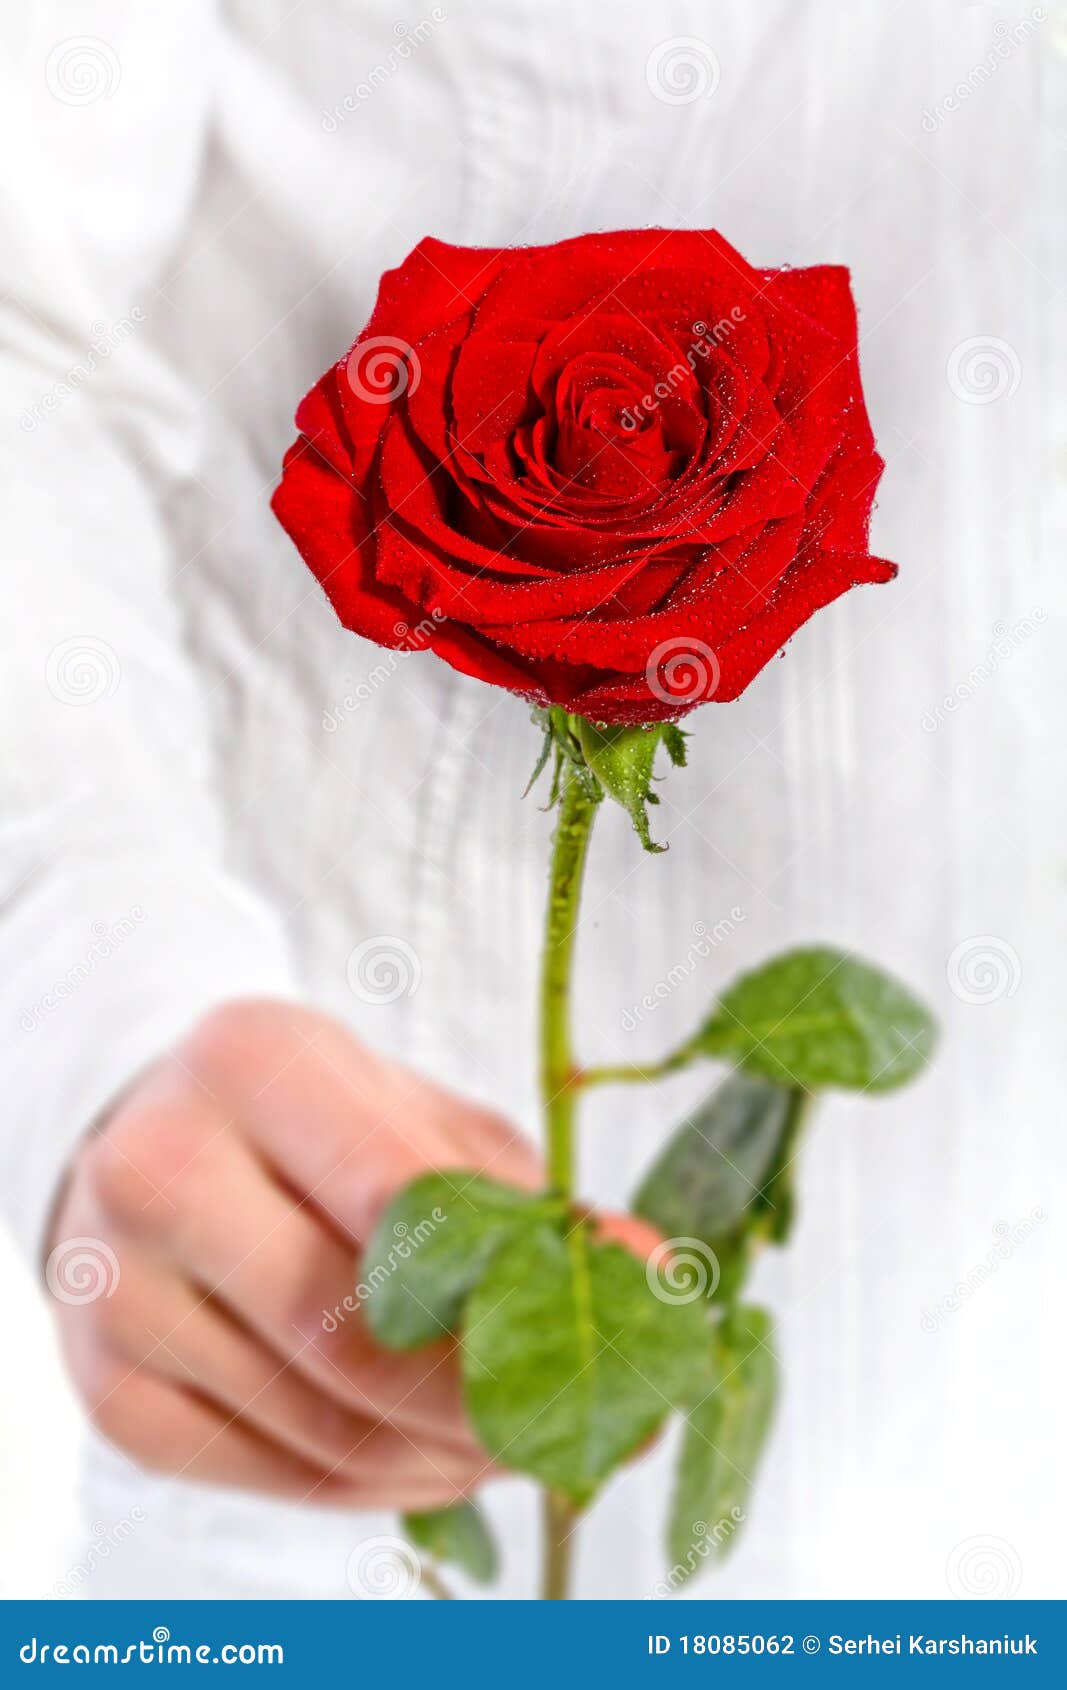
[{"x": 615, "y": 474}]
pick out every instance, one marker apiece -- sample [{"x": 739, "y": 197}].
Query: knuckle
[
  {"x": 142, "y": 1154},
  {"x": 220, "y": 1039},
  {"x": 115, "y": 1178},
  {"x": 244, "y": 1032},
  {"x": 126, "y": 1320}
]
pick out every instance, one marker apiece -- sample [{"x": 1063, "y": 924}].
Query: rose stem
[
  {"x": 435, "y": 1584},
  {"x": 559, "y": 1087}
]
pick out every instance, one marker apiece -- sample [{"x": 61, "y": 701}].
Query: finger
[
  {"x": 374, "y": 1124},
  {"x": 377, "y": 1126},
  {"x": 170, "y": 1430},
  {"x": 488, "y": 1142},
  {"x": 280, "y": 1273},
  {"x": 159, "y": 1322}
]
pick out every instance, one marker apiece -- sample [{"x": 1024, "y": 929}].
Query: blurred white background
[{"x": 40, "y": 1444}]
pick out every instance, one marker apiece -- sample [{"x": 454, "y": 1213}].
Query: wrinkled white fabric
[{"x": 209, "y": 788}]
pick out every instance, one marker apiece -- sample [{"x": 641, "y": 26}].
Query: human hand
[{"x": 236, "y": 1183}]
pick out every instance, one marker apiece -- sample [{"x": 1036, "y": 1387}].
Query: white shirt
[{"x": 199, "y": 201}]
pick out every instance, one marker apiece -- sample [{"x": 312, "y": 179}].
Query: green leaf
[
  {"x": 431, "y": 1246},
  {"x": 457, "y": 1535},
  {"x": 571, "y": 1359},
  {"x": 714, "y": 1165},
  {"x": 820, "y": 1017},
  {"x": 722, "y": 1445},
  {"x": 774, "y": 1209}
]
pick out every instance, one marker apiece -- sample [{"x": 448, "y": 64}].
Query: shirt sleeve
[{"x": 120, "y": 919}]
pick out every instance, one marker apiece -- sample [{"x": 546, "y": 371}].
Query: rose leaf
[
  {"x": 571, "y": 1358},
  {"x": 458, "y": 1536},
  {"x": 430, "y": 1247},
  {"x": 710, "y": 1174},
  {"x": 819, "y": 1017},
  {"x": 721, "y": 1446}
]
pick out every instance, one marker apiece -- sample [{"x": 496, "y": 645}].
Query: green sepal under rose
[
  {"x": 560, "y": 744},
  {"x": 618, "y": 761}
]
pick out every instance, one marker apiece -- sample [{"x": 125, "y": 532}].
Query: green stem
[
  {"x": 559, "y": 1075},
  {"x": 634, "y": 1073},
  {"x": 560, "y": 1521},
  {"x": 560, "y": 1079},
  {"x": 435, "y": 1584}
]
